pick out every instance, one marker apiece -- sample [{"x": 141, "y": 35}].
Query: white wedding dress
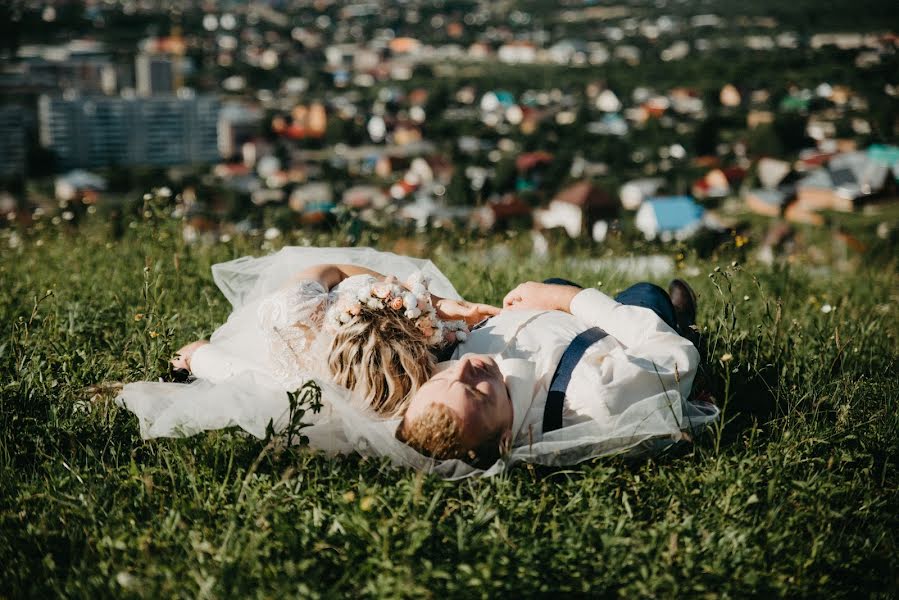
[{"x": 269, "y": 346}]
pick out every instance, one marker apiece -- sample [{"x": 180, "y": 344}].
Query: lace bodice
[{"x": 292, "y": 321}]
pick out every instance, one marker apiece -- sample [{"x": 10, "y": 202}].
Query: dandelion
[
  {"x": 727, "y": 357},
  {"x": 826, "y": 308},
  {"x": 740, "y": 241}
]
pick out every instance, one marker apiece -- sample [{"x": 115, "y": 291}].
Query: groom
[{"x": 592, "y": 357}]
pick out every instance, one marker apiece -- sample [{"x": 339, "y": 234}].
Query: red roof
[{"x": 529, "y": 160}]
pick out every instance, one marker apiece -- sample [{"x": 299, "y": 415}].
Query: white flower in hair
[{"x": 414, "y": 300}]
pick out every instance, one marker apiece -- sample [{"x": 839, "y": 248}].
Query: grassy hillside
[{"x": 795, "y": 495}]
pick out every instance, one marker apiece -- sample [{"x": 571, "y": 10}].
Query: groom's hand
[{"x": 540, "y": 296}]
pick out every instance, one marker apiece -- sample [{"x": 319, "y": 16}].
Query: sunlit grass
[{"x": 795, "y": 494}]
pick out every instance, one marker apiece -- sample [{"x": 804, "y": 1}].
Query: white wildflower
[{"x": 826, "y": 308}]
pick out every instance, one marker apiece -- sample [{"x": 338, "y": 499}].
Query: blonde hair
[
  {"x": 435, "y": 433},
  {"x": 383, "y": 356},
  {"x": 438, "y": 433}
]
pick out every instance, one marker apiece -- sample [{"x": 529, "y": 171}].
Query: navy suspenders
[{"x": 555, "y": 399}]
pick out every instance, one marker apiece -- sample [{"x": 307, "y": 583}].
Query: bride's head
[{"x": 383, "y": 356}]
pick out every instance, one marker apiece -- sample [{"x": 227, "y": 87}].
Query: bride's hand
[
  {"x": 183, "y": 356},
  {"x": 470, "y": 312}
]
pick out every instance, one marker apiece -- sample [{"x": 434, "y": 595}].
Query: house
[
  {"x": 517, "y": 52},
  {"x": 577, "y": 208},
  {"x": 501, "y": 213},
  {"x": 425, "y": 210},
  {"x": 311, "y": 196},
  {"x": 634, "y": 192},
  {"x": 729, "y": 96},
  {"x": 79, "y": 185},
  {"x": 767, "y": 202},
  {"x": 718, "y": 183},
  {"x": 365, "y": 196},
  {"x": 847, "y": 180},
  {"x": 886, "y": 154},
  {"x": 531, "y": 167},
  {"x": 669, "y": 217}
]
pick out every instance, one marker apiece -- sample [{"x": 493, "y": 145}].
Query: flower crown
[{"x": 414, "y": 300}]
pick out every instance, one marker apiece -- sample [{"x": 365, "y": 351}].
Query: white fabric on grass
[{"x": 239, "y": 385}]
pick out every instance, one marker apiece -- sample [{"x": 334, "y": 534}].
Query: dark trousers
[{"x": 647, "y": 295}]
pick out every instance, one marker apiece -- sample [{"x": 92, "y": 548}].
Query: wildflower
[
  {"x": 154, "y": 334},
  {"x": 138, "y": 316},
  {"x": 727, "y": 357},
  {"x": 740, "y": 241},
  {"x": 349, "y": 497},
  {"x": 826, "y": 308},
  {"x": 367, "y": 503},
  {"x": 164, "y": 192},
  {"x": 68, "y": 215},
  {"x": 745, "y": 298}
]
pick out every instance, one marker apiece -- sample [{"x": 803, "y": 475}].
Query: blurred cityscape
[{"x": 658, "y": 119}]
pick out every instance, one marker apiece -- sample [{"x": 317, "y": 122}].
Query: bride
[{"x": 359, "y": 328}]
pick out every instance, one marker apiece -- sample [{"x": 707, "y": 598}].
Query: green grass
[{"x": 796, "y": 495}]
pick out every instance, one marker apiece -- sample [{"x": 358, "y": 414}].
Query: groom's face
[{"x": 474, "y": 389}]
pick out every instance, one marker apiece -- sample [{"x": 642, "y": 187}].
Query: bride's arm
[{"x": 330, "y": 275}]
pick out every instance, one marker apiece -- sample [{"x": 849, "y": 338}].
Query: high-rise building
[
  {"x": 237, "y": 124},
  {"x": 12, "y": 140},
  {"x": 154, "y": 74},
  {"x": 102, "y": 131}
]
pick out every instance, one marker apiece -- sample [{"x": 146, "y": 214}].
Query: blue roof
[{"x": 674, "y": 213}]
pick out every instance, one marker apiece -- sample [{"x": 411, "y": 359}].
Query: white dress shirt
[{"x": 640, "y": 358}]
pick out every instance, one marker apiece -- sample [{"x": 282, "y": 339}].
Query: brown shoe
[{"x": 683, "y": 298}]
